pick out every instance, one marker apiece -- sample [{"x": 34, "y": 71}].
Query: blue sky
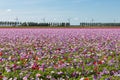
[{"x": 60, "y": 10}]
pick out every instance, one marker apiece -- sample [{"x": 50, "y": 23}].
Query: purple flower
[{"x": 107, "y": 79}]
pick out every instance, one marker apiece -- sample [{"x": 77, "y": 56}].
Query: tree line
[
  {"x": 6, "y": 23},
  {"x": 99, "y": 24}
]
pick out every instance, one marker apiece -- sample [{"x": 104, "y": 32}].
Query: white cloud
[
  {"x": 8, "y": 10},
  {"x": 76, "y": 18}
]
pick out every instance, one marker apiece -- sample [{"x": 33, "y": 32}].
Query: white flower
[
  {"x": 116, "y": 74},
  {"x": 7, "y": 69},
  {"x": 15, "y": 78},
  {"x": 75, "y": 60},
  {"x": 82, "y": 79},
  {"x": 52, "y": 72},
  {"x": 11, "y": 79},
  {"x": 61, "y": 79},
  {"x": 111, "y": 52},
  {"x": 71, "y": 67},
  {"x": 103, "y": 61},
  {"x": 93, "y": 53},
  {"x": 68, "y": 64},
  {"x": 9, "y": 58},
  {"x": 5, "y": 78},
  {"x": 21, "y": 74},
  {"x": 99, "y": 55}
]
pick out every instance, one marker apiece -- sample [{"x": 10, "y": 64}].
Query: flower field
[{"x": 59, "y": 54}]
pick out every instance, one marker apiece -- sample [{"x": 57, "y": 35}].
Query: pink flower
[
  {"x": 25, "y": 78},
  {"x": 38, "y": 75}
]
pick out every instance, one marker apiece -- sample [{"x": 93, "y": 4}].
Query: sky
[{"x": 75, "y": 11}]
